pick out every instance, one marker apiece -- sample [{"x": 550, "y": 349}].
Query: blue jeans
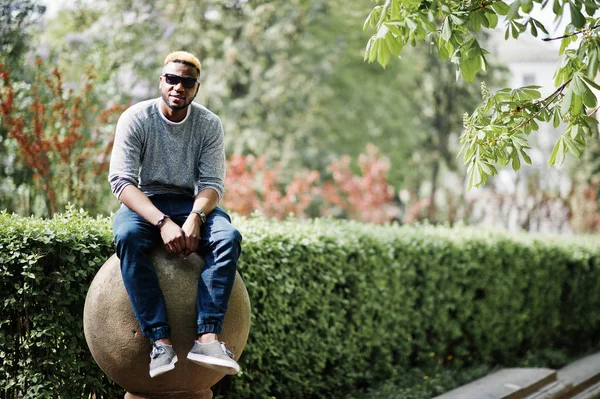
[{"x": 220, "y": 244}]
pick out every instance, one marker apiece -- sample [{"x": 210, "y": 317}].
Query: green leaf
[
  {"x": 486, "y": 168},
  {"x": 369, "y": 21},
  {"x": 592, "y": 69},
  {"x": 393, "y": 45},
  {"x": 394, "y": 29},
  {"x": 396, "y": 11},
  {"x": 564, "y": 43},
  {"x": 590, "y": 82},
  {"x": 526, "y": 6},
  {"x": 526, "y": 157},
  {"x": 519, "y": 141},
  {"x": 477, "y": 175},
  {"x": 576, "y": 105},
  {"x": 526, "y": 93},
  {"x": 560, "y": 155},
  {"x": 578, "y": 84},
  {"x": 501, "y": 8},
  {"x": 444, "y": 54},
  {"x": 456, "y": 19},
  {"x": 589, "y": 98},
  {"x": 556, "y": 8},
  {"x": 591, "y": 8},
  {"x": 446, "y": 29},
  {"x": 467, "y": 72},
  {"x": 540, "y": 25},
  {"x": 577, "y": 17},
  {"x": 534, "y": 31},
  {"x": 516, "y": 162},
  {"x": 371, "y": 51},
  {"x": 566, "y": 102},
  {"x": 477, "y": 19},
  {"x": 513, "y": 11},
  {"x": 552, "y": 158},
  {"x": 514, "y": 31},
  {"x": 383, "y": 54},
  {"x": 572, "y": 147},
  {"x": 492, "y": 18},
  {"x": 383, "y": 31},
  {"x": 572, "y": 132},
  {"x": 471, "y": 61}
]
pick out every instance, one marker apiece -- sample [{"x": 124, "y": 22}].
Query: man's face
[{"x": 176, "y": 96}]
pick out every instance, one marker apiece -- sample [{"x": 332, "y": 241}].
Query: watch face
[{"x": 202, "y": 215}]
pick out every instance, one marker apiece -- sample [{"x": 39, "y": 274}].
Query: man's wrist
[
  {"x": 161, "y": 222},
  {"x": 200, "y": 214}
]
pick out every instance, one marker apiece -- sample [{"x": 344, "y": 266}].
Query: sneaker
[
  {"x": 214, "y": 355},
  {"x": 163, "y": 359}
]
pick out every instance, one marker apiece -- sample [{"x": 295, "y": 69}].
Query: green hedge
[
  {"x": 336, "y": 306},
  {"x": 46, "y": 267}
]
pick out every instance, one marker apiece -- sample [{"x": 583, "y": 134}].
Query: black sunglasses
[{"x": 174, "y": 80}]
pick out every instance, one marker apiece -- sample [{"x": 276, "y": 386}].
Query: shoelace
[
  {"x": 226, "y": 351},
  {"x": 158, "y": 350}
]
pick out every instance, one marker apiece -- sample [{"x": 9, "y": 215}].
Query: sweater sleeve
[
  {"x": 211, "y": 163},
  {"x": 126, "y": 154}
]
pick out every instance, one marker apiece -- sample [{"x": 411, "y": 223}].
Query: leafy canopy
[{"x": 497, "y": 132}]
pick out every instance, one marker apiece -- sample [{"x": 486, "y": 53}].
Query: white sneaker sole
[
  {"x": 224, "y": 366},
  {"x": 163, "y": 369}
]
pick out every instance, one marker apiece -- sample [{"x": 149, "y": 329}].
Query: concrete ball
[{"x": 121, "y": 350}]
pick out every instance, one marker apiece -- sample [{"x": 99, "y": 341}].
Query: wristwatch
[
  {"x": 162, "y": 221},
  {"x": 201, "y": 214}
]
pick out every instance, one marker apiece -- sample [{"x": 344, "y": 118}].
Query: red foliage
[
  {"x": 57, "y": 135},
  {"x": 253, "y": 186},
  {"x": 367, "y": 197}
]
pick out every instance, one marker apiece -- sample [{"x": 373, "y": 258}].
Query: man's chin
[{"x": 176, "y": 107}]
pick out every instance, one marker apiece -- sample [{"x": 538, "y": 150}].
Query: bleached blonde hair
[{"x": 183, "y": 57}]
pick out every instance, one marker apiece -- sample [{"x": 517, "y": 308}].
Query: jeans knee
[
  {"x": 231, "y": 236},
  {"x": 128, "y": 238},
  {"x": 228, "y": 240},
  {"x": 125, "y": 237}
]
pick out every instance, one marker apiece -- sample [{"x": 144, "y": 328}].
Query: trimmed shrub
[
  {"x": 337, "y": 306},
  {"x": 341, "y": 305},
  {"x": 46, "y": 267}
]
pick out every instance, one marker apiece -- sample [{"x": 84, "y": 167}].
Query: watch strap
[{"x": 162, "y": 221}]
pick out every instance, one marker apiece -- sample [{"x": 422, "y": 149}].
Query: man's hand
[
  {"x": 173, "y": 237},
  {"x": 191, "y": 229}
]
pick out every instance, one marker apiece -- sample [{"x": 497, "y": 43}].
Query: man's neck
[{"x": 174, "y": 115}]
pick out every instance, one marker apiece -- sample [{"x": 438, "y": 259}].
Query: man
[{"x": 167, "y": 168}]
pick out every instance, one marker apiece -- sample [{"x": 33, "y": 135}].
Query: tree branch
[
  {"x": 569, "y": 35},
  {"x": 545, "y": 102},
  {"x": 484, "y": 4}
]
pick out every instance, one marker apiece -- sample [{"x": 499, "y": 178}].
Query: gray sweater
[{"x": 163, "y": 157}]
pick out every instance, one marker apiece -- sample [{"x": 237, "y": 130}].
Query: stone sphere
[{"x": 121, "y": 350}]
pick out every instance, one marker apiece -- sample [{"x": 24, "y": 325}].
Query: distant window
[{"x": 528, "y": 80}]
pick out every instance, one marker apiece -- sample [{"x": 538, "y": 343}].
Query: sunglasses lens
[
  {"x": 188, "y": 83},
  {"x": 172, "y": 79}
]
